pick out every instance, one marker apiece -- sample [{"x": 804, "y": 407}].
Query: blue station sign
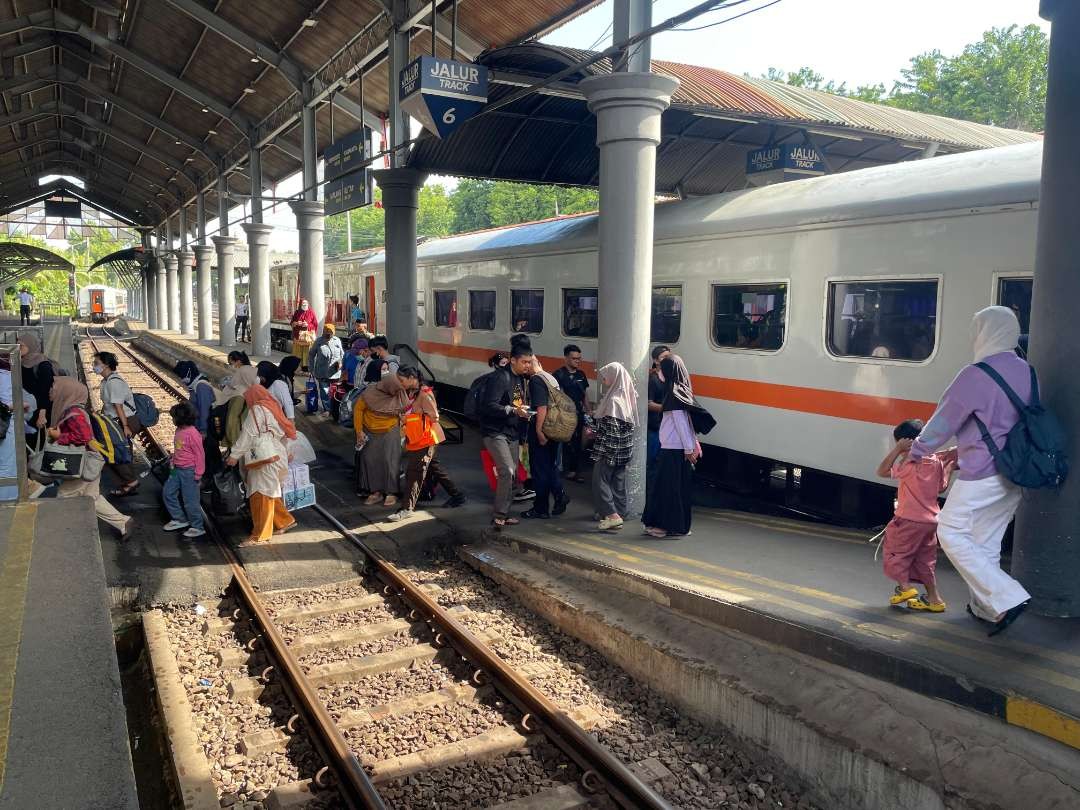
[
  {"x": 442, "y": 94},
  {"x": 790, "y": 157},
  {"x": 349, "y": 191},
  {"x": 347, "y": 154}
]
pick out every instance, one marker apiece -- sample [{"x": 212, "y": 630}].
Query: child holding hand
[{"x": 910, "y": 546}]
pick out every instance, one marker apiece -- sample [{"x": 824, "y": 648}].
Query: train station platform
[
  {"x": 63, "y": 732},
  {"x": 55, "y": 335},
  {"x": 171, "y": 347}
]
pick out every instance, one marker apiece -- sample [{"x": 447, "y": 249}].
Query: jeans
[
  {"x": 181, "y": 483},
  {"x": 24, "y": 315},
  {"x": 505, "y": 454},
  {"x": 242, "y": 333},
  {"x": 545, "y": 475},
  {"x": 609, "y": 489}
]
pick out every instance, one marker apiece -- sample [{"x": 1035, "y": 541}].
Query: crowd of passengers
[{"x": 395, "y": 418}]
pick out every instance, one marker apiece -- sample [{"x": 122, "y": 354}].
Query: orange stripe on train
[{"x": 838, "y": 404}]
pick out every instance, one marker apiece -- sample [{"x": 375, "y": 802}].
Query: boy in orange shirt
[{"x": 910, "y": 545}]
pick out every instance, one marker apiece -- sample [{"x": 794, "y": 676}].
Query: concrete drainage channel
[{"x": 856, "y": 743}]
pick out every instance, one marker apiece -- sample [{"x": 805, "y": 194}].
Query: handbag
[
  {"x": 264, "y": 451},
  {"x": 312, "y": 395},
  {"x": 59, "y": 460},
  {"x": 228, "y": 493}
]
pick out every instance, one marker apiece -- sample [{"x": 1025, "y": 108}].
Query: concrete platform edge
[
  {"x": 928, "y": 681},
  {"x": 856, "y": 748},
  {"x": 189, "y": 764}
]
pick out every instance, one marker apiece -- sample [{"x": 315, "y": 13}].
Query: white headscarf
[
  {"x": 620, "y": 396},
  {"x": 995, "y": 330}
]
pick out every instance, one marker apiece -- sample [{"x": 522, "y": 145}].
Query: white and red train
[{"x": 814, "y": 315}]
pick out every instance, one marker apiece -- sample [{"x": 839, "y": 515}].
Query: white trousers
[
  {"x": 970, "y": 528},
  {"x": 73, "y": 488}
]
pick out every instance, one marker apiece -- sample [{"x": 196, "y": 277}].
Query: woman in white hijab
[
  {"x": 616, "y": 415},
  {"x": 981, "y": 502}
]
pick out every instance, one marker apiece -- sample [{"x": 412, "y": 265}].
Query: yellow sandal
[
  {"x": 899, "y": 597},
  {"x": 919, "y": 603}
]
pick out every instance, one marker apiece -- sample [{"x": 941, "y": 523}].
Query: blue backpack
[
  {"x": 1034, "y": 455},
  {"x": 146, "y": 409}
]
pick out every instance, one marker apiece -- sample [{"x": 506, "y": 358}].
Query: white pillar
[
  {"x": 627, "y": 108},
  {"x": 151, "y": 296},
  {"x": 187, "y": 320},
  {"x": 162, "y": 293},
  {"x": 226, "y": 291},
  {"x": 309, "y": 223},
  {"x": 400, "y": 188},
  {"x": 205, "y": 296},
  {"x": 173, "y": 281},
  {"x": 258, "y": 239}
]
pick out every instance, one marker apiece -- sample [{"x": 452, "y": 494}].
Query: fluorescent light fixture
[
  {"x": 179, "y": 142},
  {"x": 832, "y": 134},
  {"x": 310, "y": 22},
  {"x": 252, "y": 90},
  {"x": 254, "y": 58},
  {"x": 918, "y": 146},
  {"x": 719, "y": 117},
  {"x": 206, "y": 109},
  {"x": 211, "y": 132}
]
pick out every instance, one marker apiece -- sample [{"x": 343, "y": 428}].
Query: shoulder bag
[{"x": 264, "y": 450}]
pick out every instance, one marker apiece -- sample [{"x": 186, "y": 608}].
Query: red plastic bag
[{"x": 488, "y": 464}]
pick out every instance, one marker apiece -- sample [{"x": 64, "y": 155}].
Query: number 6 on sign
[{"x": 448, "y": 117}]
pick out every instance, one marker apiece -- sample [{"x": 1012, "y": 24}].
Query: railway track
[{"x": 266, "y": 641}]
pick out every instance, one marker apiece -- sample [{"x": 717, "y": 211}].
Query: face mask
[
  {"x": 304, "y": 307},
  {"x": 98, "y": 368}
]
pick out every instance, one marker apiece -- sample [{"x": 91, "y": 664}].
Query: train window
[
  {"x": 749, "y": 316},
  {"x": 1015, "y": 293},
  {"x": 885, "y": 319},
  {"x": 666, "y": 314},
  {"x": 482, "y": 309},
  {"x": 580, "y": 307},
  {"x": 446, "y": 308},
  {"x": 527, "y": 311}
]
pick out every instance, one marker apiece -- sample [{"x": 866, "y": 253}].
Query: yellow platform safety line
[
  {"x": 14, "y": 580},
  {"x": 983, "y": 655},
  {"x": 789, "y": 526},
  {"x": 1043, "y": 720}
]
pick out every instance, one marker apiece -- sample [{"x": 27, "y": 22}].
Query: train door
[
  {"x": 370, "y": 304},
  {"x": 97, "y": 305}
]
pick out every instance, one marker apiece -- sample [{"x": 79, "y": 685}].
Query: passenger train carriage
[
  {"x": 814, "y": 315},
  {"x": 100, "y": 303}
]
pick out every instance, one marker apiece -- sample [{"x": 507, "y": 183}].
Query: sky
[{"x": 853, "y": 41}]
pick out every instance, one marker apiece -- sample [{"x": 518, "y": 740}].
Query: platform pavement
[
  {"x": 63, "y": 732},
  {"x": 211, "y": 358},
  {"x": 815, "y": 588}
]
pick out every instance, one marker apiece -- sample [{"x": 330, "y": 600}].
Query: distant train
[
  {"x": 100, "y": 303},
  {"x": 814, "y": 315}
]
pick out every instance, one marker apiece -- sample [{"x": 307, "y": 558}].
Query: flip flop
[{"x": 1011, "y": 615}]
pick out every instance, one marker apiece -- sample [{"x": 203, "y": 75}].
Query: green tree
[
  {"x": 481, "y": 204},
  {"x": 999, "y": 80},
  {"x": 435, "y": 216},
  {"x": 470, "y": 202}
]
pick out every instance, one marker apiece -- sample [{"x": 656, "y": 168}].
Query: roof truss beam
[
  {"x": 64, "y": 23},
  {"x": 116, "y": 206},
  {"x": 292, "y": 71},
  {"x": 29, "y": 46}
]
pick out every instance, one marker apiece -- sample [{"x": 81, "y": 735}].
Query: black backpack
[
  {"x": 1034, "y": 454},
  {"x": 474, "y": 399}
]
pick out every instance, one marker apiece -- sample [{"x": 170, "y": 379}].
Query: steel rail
[
  {"x": 352, "y": 780},
  {"x": 596, "y": 761}
]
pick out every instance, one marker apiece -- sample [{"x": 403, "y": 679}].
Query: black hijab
[
  {"x": 269, "y": 373},
  {"x": 679, "y": 393}
]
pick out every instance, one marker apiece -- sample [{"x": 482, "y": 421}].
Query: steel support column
[
  {"x": 258, "y": 239},
  {"x": 173, "y": 290},
  {"x": 205, "y": 297},
  {"x": 631, "y": 18},
  {"x": 226, "y": 291},
  {"x": 1046, "y": 555},
  {"x": 627, "y": 107},
  {"x": 310, "y": 224},
  {"x": 399, "y": 56},
  {"x": 310, "y": 164},
  {"x": 400, "y": 198}
]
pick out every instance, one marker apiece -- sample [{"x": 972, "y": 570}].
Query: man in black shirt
[
  {"x": 545, "y": 473},
  {"x": 656, "y": 402},
  {"x": 504, "y": 405},
  {"x": 575, "y": 384}
]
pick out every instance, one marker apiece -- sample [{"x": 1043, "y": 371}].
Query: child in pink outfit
[
  {"x": 181, "y": 490},
  {"x": 910, "y": 546}
]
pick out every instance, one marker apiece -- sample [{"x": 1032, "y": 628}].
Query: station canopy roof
[
  {"x": 19, "y": 261},
  {"x": 715, "y": 118},
  {"x": 144, "y": 98}
]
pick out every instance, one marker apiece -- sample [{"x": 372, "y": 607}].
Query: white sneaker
[
  {"x": 193, "y": 533},
  {"x": 610, "y": 523},
  {"x": 175, "y": 525},
  {"x": 401, "y": 514}
]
